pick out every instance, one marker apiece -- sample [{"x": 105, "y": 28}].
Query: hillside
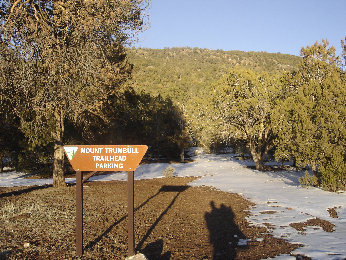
[{"x": 182, "y": 72}]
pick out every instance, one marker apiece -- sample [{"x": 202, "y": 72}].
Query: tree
[
  {"x": 10, "y": 135},
  {"x": 343, "y": 46},
  {"x": 244, "y": 100},
  {"x": 141, "y": 118},
  {"x": 205, "y": 128},
  {"x": 72, "y": 58},
  {"x": 310, "y": 121}
]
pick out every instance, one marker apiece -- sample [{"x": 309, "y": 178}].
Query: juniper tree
[
  {"x": 243, "y": 101},
  {"x": 72, "y": 58},
  {"x": 310, "y": 121},
  {"x": 343, "y": 46}
]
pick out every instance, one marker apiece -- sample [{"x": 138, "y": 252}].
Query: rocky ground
[{"x": 172, "y": 221}]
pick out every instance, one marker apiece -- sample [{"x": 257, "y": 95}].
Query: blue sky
[{"x": 247, "y": 25}]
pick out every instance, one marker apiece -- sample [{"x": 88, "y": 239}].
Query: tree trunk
[
  {"x": 316, "y": 173},
  {"x": 294, "y": 162},
  {"x": 258, "y": 161},
  {"x": 258, "y": 157},
  {"x": 2, "y": 164},
  {"x": 58, "y": 169},
  {"x": 182, "y": 154}
]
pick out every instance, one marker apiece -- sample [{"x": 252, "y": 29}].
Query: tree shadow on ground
[
  {"x": 275, "y": 170},
  {"x": 165, "y": 188},
  {"x": 24, "y": 191},
  {"x": 224, "y": 233},
  {"x": 91, "y": 244}
]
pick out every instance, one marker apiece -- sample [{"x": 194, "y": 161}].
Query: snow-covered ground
[{"x": 276, "y": 192}]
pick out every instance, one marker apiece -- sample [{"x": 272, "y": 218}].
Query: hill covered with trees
[{"x": 181, "y": 73}]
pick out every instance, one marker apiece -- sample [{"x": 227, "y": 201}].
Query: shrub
[
  {"x": 168, "y": 172},
  {"x": 308, "y": 180}
]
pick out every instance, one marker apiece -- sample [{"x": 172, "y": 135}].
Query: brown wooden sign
[{"x": 105, "y": 157}]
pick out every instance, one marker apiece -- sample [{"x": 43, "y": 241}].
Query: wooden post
[
  {"x": 79, "y": 214},
  {"x": 130, "y": 207}
]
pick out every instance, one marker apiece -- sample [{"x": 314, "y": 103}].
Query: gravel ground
[{"x": 172, "y": 221}]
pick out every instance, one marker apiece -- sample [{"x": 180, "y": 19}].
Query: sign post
[
  {"x": 130, "y": 210},
  {"x": 79, "y": 213},
  {"x": 104, "y": 158}
]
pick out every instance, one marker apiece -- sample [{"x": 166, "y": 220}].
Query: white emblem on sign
[{"x": 70, "y": 151}]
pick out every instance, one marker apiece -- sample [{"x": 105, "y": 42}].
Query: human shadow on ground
[
  {"x": 224, "y": 233},
  {"x": 164, "y": 188},
  {"x": 24, "y": 191}
]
